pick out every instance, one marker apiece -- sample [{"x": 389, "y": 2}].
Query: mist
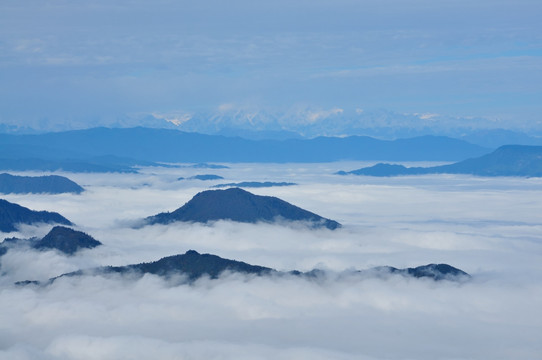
[{"x": 488, "y": 227}]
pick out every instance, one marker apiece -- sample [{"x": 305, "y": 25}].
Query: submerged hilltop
[
  {"x": 50, "y": 184},
  {"x": 13, "y": 214},
  {"x": 66, "y": 240},
  {"x": 192, "y": 266},
  {"x": 61, "y": 238},
  {"x": 239, "y": 205}
]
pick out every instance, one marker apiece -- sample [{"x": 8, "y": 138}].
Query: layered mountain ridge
[
  {"x": 122, "y": 149},
  {"x": 509, "y": 160},
  {"x": 192, "y": 266}
]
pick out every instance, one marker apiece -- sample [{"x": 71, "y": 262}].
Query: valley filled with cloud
[
  {"x": 488, "y": 227},
  {"x": 389, "y": 155}
]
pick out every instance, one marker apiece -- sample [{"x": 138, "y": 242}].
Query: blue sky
[{"x": 86, "y": 63}]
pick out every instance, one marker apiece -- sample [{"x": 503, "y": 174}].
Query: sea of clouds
[{"x": 488, "y": 227}]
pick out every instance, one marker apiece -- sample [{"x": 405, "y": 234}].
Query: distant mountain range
[
  {"x": 63, "y": 239},
  {"x": 204, "y": 166},
  {"x": 87, "y": 164},
  {"x": 253, "y": 184},
  {"x": 309, "y": 122},
  {"x": 103, "y": 149},
  {"x": 193, "y": 266},
  {"x": 239, "y": 205},
  {"x": 509, "y": 160},
  {"x": 380, "y": 123},
  {"x": 51, "y": 184},
  {"x": 12, "y": 214},
  {"x": 206, "y": 177}
]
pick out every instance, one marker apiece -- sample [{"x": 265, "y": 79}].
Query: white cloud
[
  {"x": 176, "y": 118},
  {"x": 488, "y": 227},
  {"x": 427, "y": 116},
  {"x": 313, "y": 116}
]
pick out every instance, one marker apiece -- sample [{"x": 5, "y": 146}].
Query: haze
[{"x": 68, "y": 65}]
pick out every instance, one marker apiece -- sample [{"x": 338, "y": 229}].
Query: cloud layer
[{"x": 487, "y": 227}]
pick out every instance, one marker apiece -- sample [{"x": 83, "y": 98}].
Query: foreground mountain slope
[
  {"x": 51, "y": 184},
  {"x": 239, "y": 205},
  {"x": 12, "y": 214},
  {"x": 508, "y": 160}
]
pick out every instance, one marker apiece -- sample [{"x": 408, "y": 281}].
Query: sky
[
  {"x": 77, "y": 64},
  {"x": 488, "y": 227}
]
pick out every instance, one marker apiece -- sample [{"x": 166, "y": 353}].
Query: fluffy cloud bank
[{"x": 487, "y": 227}]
